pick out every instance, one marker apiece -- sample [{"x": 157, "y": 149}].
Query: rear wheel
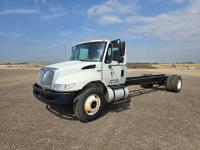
[
  {"x": 89, "y": 104},
  {"x": 174, "y": 83},
  {"x": 169, "y": 82}
]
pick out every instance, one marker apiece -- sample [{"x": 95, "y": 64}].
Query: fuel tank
[{"x": 117, "y": 94}]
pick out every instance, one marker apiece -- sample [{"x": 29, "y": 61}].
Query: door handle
[{"x": 110, "y": 66}]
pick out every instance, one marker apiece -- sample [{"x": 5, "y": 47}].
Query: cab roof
[{"x": 90, "y": 41}]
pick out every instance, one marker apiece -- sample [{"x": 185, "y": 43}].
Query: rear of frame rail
[{"x": 172, "y": 83}]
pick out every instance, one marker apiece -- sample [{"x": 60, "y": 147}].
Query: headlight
[
  {"x": 63, "y": 87},
  {"x": 46, "y": 76}
]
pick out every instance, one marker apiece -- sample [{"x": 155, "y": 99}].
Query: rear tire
[
  {"x": 169, "y": 83},
  {"x": 89, "y": 104},
  {"x": 176, "y": 84}
]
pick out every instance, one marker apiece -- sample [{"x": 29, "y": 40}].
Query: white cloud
[
  {"x": 12, "y": 34},
  {"x": 178, "y": 1},
  {"x": 99, "y": 10},
  {"x": 53, "y": 16},
  {"x": 56, "y": 8},
  {"x": 109, "y": 19},
  {"x": 2, "y": 34},
  {"x": 88, "y": 29},
  {"x": 179, "y": 24},
  {"x": 111, "y": 11},
  {"x": 17, "y": 34},
  {"x": 112, "y": 7},
  {"x": 19, "y": 11},
  {"x": 172, "y": 1},
  {"x": 42, "y": 1},
  {"x": 64, "y": 33}
]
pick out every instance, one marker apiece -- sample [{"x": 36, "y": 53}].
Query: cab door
[
  {"x": 114, "y": 73},
  {"x": 117, "y": 68},
  {"x": 107, "y": 72}
]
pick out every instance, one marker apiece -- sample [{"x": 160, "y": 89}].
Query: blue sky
[{"x": 154, "y": 30}]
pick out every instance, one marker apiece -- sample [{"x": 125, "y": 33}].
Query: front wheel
[{"x": 89, "y": 104}]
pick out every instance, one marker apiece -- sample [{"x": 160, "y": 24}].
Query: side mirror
[{"x": 121, "y": 48}]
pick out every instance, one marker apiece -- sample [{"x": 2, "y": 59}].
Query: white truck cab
[
  {"x": 94, "y": 75},
  {"x": 96, "y": 60}
]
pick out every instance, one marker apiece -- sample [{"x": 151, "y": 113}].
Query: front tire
[{"x": 89, "y": 104}]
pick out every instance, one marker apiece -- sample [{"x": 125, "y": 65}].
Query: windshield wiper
[{"x": 82, "y": 60}]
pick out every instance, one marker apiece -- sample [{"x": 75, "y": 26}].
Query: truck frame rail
[{"x": 159, "y": 79}]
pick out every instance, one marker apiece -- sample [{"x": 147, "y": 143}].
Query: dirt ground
[{"x": 154, "y": 119}]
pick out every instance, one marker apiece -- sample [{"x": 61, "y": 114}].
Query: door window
[
  {"x": 108, "y": 59},
  {"x": 112, "y": 53},
  {"x": 115, "y": 55}
]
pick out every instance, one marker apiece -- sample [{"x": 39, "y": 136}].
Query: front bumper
[{"x": 53, "y": 97}]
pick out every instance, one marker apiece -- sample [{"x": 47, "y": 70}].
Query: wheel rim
[
  {"x": 92, "y": 104},
  {"x": 179, "y": 84}
]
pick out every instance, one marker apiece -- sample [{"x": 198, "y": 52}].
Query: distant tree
[
  {"x": 8, "y": 63},
  {"x": 174, "y": 65},
  {"x": 190, "y": 62}
]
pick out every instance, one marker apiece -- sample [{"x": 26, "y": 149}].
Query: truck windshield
[{"x": 88, "y": 51}]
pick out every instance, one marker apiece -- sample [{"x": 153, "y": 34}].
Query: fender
[{"x": 97, "y": 83}]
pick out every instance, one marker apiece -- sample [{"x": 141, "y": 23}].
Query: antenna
[{"x": 65, "y": 51}]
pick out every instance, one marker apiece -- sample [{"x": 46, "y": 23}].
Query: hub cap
[
  {"x": 179, "y": 84},
  {"x": 92, "y": 104}
]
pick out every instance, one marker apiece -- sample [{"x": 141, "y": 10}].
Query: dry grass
[
  {"x": 162, "y": 66},
  {"x": 180, "y": 69},
  {"x": 167, "y": 71},
  {"x": 25, "y": 65},
  {"x": 168, "y": 66},
  {"x": 140, "y": 66}
]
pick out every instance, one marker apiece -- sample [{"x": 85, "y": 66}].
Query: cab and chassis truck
[{"x": 96, "y": 74}]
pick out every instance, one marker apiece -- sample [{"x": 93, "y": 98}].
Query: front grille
[
  {"x": 45, "y": 77},
  {"x": 40, "y": 79}
]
